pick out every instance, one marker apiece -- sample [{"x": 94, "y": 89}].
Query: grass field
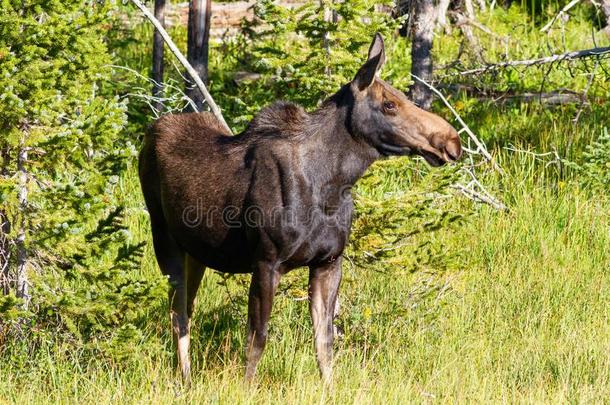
[{"x": 523, "y": 316}]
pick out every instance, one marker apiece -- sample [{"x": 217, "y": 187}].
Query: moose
[{"x": 275, "y": 197}]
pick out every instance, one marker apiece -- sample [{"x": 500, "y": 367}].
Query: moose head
[{"x": 390, "y": 123}]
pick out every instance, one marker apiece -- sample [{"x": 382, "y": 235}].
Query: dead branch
[
  {"x": 559, "y": 15},
  {"x": 586, "y": 53},
  {"x": 208, "y": 98},
  {"x": 173, "y": 94},
  {"x": 480, "y": 197},
  {"x": 480, "y": 146},
  {"x": 555, "y": 97}
]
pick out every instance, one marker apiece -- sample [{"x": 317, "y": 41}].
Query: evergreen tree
[{"x": 65, "y": 254}]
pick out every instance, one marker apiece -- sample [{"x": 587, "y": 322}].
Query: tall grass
[{"x": 524, "y": 318}]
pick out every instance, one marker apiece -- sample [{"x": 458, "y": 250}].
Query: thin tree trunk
[
  {"x": 157, "y": 57},
  {"x": 424, "y": 16},
  {"x": 22, "y": 282},
  {"x": 441, "y": 15},
  {"x": 200, "y": 12},
  {"x": 606, "y": 10},
  {"x": 329, "y": 16},
  {"x": 5, "y": 229},
  {"x": 5, "y": 254}
]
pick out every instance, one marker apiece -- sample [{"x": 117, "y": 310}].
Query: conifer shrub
[{"x": 63, "y": 151}]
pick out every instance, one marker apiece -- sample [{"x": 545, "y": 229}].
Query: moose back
[{"x": 275, "y": 197}]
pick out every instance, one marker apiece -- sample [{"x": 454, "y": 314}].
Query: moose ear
[{"x": 366, "y": 75}]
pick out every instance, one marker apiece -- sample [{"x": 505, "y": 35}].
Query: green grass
[{"x": 523, "y": 317}]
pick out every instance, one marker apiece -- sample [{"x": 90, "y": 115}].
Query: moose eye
[{"x": 389, "y": 106}]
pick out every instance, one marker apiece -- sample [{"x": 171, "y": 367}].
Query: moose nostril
[{"x": 453, "y": 149}]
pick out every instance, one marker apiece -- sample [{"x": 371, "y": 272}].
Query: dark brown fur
[{"x": 285, "y": 181}]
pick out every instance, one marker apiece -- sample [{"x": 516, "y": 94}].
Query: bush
[
  {"x": 62, "y": 154},
  {"x": 595, "y": 166}
]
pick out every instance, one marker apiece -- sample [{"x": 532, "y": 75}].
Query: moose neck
[{"x": 344, "y": 155}]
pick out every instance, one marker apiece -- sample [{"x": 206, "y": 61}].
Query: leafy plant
[{"x": 595, "y": 167}]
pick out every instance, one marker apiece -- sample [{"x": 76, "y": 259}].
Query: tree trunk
[
  {"x": 424, "y": 18},
  {"x": 441, "y": 15},
  {"x": 157, "y": 57},
  {"x": 606, "y": 11},
  {"x": 22, "y": 282},
  {"x": 330, "y": 16},
  {"x": 200, "y": 12},
  {"x": 5, "y": 254}
]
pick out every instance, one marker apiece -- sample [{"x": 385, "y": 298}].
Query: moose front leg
[
  {"x": 265, "y": 280},
  {"x": 324, "y": 283}
]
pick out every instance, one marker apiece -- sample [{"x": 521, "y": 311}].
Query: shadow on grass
[{"x": 218, "y": 336}]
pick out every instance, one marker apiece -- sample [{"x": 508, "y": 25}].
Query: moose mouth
[
  {"x": 432, "y": 159},
  {"x": 387, "y": 149}
]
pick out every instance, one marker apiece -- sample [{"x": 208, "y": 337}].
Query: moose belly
[
  {"x": 317, "y": 243},
  {"x": 301, "y": 239},
  {"x": 232, "y": 255}
]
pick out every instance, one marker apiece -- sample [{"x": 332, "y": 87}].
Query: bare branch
[
  {"x": 480, "y": 146},
  {"x": 559, "y": 15},
  {"x": 586, "y": 53},
  {"x": 481, "y": 197},
  {"x": 208, "y": 98}
]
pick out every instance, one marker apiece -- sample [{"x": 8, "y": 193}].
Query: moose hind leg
[
  {"x": 183, "y": 290},
  {"x": 194, "y": 274},
  {"x": 171, "y": 260},
  {"x": 265, "y": 280},
  {"x": 323, "y": 288},
  {"x": 180, "y": 324}
]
